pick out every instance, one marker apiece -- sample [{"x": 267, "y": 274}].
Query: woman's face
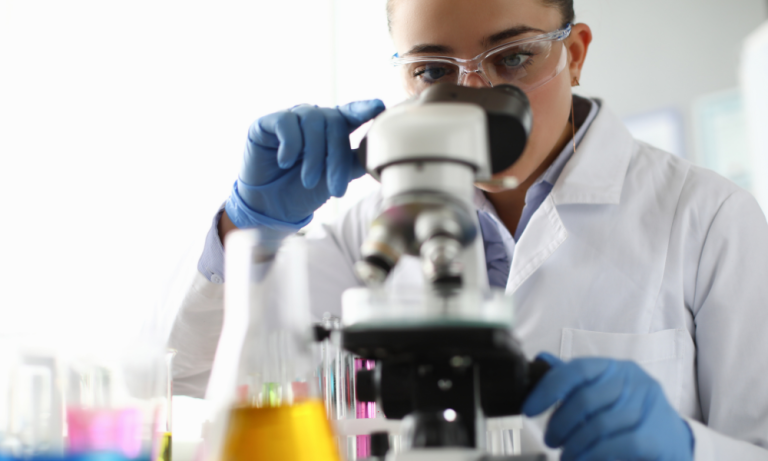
[{"x": 464, "y": 27}]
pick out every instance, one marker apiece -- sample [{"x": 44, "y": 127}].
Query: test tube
[
  {"x": 337, "y": 375},
  {"x": 31, "y": 412},
  {"x": 162, "y": 449},
  {"x": 503, "y": 435},
  {"x": 363, "y": 410}
]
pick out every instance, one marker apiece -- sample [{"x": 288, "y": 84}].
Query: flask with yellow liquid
[{"x": 263, "y": 383}]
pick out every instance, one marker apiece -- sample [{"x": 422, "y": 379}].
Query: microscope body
[
  {"x": 427, "y": 158},
  {"x": 446, "y": 356}
]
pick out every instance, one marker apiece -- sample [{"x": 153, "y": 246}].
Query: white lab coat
[{"x": 636, "y": 254}]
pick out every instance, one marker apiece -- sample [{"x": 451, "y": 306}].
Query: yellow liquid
[
  {"x": 299, "y": 432},
  {"x": 164, "y": 453}
]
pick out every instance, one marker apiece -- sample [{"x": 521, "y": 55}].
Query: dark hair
[{"x": 565, "y": 7}]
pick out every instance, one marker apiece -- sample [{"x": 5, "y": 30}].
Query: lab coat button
[{"x": 216, "y": 279}]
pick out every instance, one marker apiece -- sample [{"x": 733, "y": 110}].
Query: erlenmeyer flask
[{"x": 263, "y": 379}]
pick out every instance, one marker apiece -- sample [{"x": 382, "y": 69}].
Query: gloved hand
[
  {"x": 609, "y": 410},
  {"x": 294, "y": 161}
]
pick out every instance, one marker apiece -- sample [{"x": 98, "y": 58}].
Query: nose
[{"x": 475, "y": 79}]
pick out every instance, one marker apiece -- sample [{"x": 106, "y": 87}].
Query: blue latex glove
[
  {"x": 609, "y": 410},
  {"x": 294, "y": 161}
]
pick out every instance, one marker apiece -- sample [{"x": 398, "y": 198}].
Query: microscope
[{"x": 446, "y": 357}]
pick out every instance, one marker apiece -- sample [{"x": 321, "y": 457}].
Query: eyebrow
[
  {"x": 512, "y": 32},
  {"x": 486, "y": 42},
  {"x": 430, "y": 48}
]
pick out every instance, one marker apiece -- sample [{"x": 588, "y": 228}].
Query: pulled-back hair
[{"x": 565, "y": 7}]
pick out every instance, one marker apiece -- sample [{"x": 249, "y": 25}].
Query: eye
[
  {"x": 432, "y": 72},
  {"x": 514, "y": 60}
]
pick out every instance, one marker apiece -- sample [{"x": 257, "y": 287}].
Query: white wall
[
  {"x": 653, "y": 54},
  {"x": 121, "y": 130},
  {"x": 754, "y": 76},
  {"x": 122, "y": 126}
]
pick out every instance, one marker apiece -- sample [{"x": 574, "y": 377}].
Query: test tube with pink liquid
[{"x": 337, "y": 376}]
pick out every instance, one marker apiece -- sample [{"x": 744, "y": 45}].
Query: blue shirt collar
[{"x": 553, "y": 172}]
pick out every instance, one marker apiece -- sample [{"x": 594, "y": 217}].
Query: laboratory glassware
[
  {"x": 263, "y": 382},
  {"x": 336, "y": 377},
  {"x": 31, "y": 409},
  {"x": 163, "y": 441},
  {"x": 115, "y": 401}
]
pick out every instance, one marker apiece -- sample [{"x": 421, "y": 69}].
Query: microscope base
[{"x": 457, "y": 454}]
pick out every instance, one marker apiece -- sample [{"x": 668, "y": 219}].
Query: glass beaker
[
  {"x": 59, "y": 406},
  {"x": 262, "y": 383},
  {"x": 114, "y": 401}
]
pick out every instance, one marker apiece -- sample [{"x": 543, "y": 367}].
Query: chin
[{"x": 489, "y": 189}]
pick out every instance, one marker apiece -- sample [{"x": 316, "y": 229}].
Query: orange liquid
[{"x": 299, "y": 432}]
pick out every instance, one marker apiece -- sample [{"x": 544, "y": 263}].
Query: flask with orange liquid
[{"x": 263, "y": 381}]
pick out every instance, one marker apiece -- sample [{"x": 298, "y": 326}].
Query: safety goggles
[{"x": 526, "y": 63}]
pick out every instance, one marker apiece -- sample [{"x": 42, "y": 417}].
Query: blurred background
[{"x": 122, "y": 126}]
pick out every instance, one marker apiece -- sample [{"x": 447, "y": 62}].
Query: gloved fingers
[
  {"x": 284, "y": 125},
  {"x": 626, "y": 416},
  {"x": 358, "y": 112},
  {"x": 259, "y": 165},
  {"x": 561, "y": 381},
  {"x": 260, "y": 137},
  {"x": 313, "y": 125},
  {"x": 550, "y": 359},
  {"x": 339, "y": 160},
  {"x": 581, "y": 405},
  {"x": 624, "y": 446}
]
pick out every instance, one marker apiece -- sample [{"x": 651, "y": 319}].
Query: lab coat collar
[
  {"x": 596, "y": 171},
  {"x": 593, "y": 175}
]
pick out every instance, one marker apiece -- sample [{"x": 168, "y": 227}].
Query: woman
[{"x": 616, "y": 250}]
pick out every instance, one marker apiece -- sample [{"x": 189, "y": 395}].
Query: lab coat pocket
[{"x": 664, "y": 354}]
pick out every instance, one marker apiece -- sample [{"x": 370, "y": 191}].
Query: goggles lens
[{"x": 524, "y": 65}]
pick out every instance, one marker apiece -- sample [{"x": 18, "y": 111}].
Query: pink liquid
[{"x": 105, "y": 430}]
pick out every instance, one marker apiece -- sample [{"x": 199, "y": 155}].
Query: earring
[{"x": 575, "y": 81}]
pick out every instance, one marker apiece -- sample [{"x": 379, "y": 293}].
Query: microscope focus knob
[
  {"x": 365, "y": 386},
  {"x": 379, "y": 444}
]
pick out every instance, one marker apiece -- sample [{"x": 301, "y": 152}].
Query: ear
[{"x": 578, "y": 44}]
